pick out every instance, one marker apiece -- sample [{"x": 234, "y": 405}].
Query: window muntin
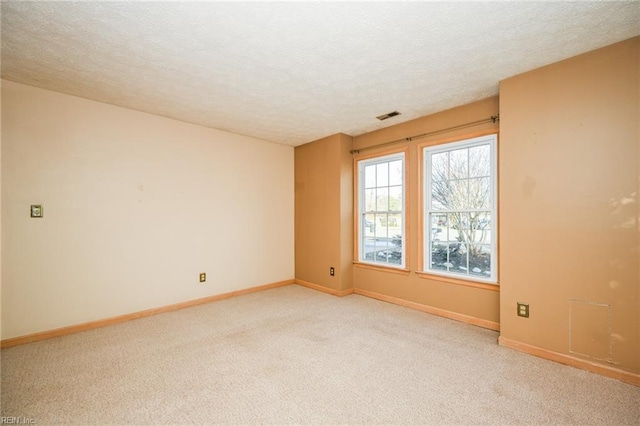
[
  {"x": 460, "y": 209},
  {"x": 381, "y": 219}
]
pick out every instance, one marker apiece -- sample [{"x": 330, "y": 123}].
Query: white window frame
[
  {"x": 428, "y": 231},
  {"x": 361, "y": 223}
]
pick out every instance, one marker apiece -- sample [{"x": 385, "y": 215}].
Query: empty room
[{"x": 320, "y": 213}]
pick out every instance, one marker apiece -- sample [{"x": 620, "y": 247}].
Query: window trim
[
  {"x": 402, "y": 153},
  {"x": 424, "y": 251}
]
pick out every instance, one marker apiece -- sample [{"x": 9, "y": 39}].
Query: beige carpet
[{"x": 294, "y": 355}]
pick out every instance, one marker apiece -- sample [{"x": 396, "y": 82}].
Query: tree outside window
[{"x": 459, "y": 208}]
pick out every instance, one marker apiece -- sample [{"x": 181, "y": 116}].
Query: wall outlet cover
[
  {"x": 523, "y": 310},
  {"x": 36, "y": 210}
]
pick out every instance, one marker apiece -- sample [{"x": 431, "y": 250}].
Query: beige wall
[
  {"x": 1, "y": 83},
  {"x": 346, "y": 212},
  {"x": 324, "y": 212},
  {"x": 135, "y": 206},
  {"x": 479, "y": 305},
  {"x": 569, "y": 213}
]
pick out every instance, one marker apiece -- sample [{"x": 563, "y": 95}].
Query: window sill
[
  {"x": 400, "y": 271},
  {"x": 468, "y": 283}
]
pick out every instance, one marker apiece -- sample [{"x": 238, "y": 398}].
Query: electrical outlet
[
  {"x": 332, "y": 271},
  {"x": 203, "y": 277},
  {"x": 523, "y": 310},
  {"x": 36, "y": 210}
]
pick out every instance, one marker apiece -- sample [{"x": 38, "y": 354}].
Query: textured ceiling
[{"x": 294, "y": 72}]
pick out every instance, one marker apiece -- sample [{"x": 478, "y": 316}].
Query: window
[
  {"x": 381, "y": 210},
  {"x": 460, "y": 209}
]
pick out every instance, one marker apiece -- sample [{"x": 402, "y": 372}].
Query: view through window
[
  {"x": 381, "y": 210},
  {"x": 459, "y": 209}
]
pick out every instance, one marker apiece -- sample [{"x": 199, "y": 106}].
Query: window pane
[
  {"x": 480, "y": 193},
  {"x": 395, "y": 198},
  {"x": 440, "y": 166},
  {"x": 369, "y": 200},
  {"x": 382, "y": 251},
  {"x": 464, "y": 229},
  {"x": 369, "y": 225},
  {"x": 440, "y": 194},
  {"x": 439, "y": 220},
  {"x": 395, "y": 172},
  {"x": 459, "y": 164},
  {"x": 480, "y": 228},
  {"x": 438, "y": 223},
  {"x": 458, "y": 257},
  {"x": 382, "y": 174},
  {"x": 439, "y": 255},
  {"x": 368, "y": 249},
  {"x": 480, "y": 260},
  {"x": 381, "y": 230},
  {"x": 458, "y": 198},
  {"x": 480, "y": 161},
  {"x": 395, "y": 227},
  {"x": 455, "y": 226},
  {"x": 382, "y": 202},
  {"x": 465, "y": 221},
  {"x": 370, "y": 176},
  {"x": 458, "y": 224}
]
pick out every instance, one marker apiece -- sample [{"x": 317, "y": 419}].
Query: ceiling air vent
[{"x": 387, "y": 115}]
